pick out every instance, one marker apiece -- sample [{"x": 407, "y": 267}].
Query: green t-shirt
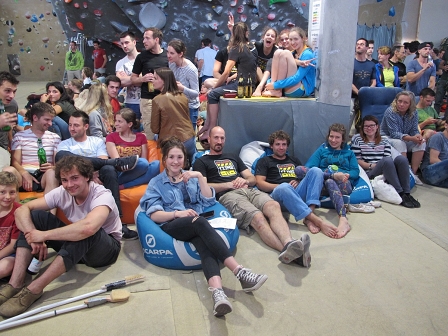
[
  {"x": 389, "y": 77},
  {"x": 426, "y": 113}
]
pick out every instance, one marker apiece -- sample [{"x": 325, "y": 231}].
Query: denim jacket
[{"x": 163, "y": 195}]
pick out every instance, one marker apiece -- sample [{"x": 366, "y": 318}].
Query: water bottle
[
  {"x": 430, "y": 60},
  {"x": 333, "y": 169},
  {"x": 34, "y": 266}
]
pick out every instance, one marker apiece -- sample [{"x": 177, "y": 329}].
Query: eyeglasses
[{"x": 370, "y": 126}]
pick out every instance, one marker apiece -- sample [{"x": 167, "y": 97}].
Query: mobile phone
[{"x": 208, "y": 214}]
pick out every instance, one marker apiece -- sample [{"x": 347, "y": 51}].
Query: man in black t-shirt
[
  {"x": 298, "y": 194},
  {"x": 152, "y": 58},
  {"x": 233, "y": 183},
  {"x": 442, "y": 84}
]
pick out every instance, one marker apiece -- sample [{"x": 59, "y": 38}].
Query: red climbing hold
[{"x": 80, "y": 25}]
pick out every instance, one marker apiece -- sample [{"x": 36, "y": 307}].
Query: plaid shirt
[{"x": 397, "y": 126}]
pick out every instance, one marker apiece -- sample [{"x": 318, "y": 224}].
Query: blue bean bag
[{"x": 162, "y": 250}]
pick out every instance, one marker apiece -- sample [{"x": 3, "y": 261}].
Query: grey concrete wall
[
  {"x": 37, "y": 44},
  {"x": 336, "y": 49}
]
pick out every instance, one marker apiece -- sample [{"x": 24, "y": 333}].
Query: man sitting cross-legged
[
  {"x": 93, "y": 238},
  {"x": 94, "y": 149},
  {"x": 234, "y": 183},
  {"x": 275, "y": 174}
]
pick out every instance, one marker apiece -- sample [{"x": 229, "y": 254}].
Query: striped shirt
[
  {"x": 188, "y": 76},
  {"x": 370, "y": 152},
  {"x": 26, "y": 141}
]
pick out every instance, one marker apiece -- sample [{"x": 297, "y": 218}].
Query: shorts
[
  {"x": 244, "y": 204},
  {"x": 36, "y": 186},
  {"x": 299, "y": 93},
  {"x": 406, "y": 146}
]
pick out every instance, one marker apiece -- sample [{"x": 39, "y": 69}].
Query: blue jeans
[
  {"x": 141, "y": 174},
  {"x": 193, "y": 116},
  {"x": 297, "y": 200},
  {"x": 136, "y": 109},
  {"x": 60, "y": 127},
  {"x": 436, "y": 174}
]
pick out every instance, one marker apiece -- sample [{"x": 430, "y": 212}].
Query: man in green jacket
[{"x": 74, "y": 62}]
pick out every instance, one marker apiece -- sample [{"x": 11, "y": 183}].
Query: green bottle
[
  {"x": 41, "y": 154},
  {"x": 2, "y": 110}
]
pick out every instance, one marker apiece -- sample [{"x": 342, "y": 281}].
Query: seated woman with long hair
[
  {"x": 97, "y": 106},
  {"x": 374, "y": 155},
  {"x": 124, "y": 142},
  {"x": 62, "y": 104},
  {"x": 295, "y": 71},
  {"x": 340, "y": 171},
  {"x": 174, "y": 199},
  {"x": 170, "y": 113},
  {"x": 242, "y": 55},
  {"x": 400, "y": 126}
]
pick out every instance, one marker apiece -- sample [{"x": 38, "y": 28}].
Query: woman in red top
[{"x": 124, "y": 142}]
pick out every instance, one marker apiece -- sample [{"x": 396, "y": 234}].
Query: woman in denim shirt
[{"x": 173, "y": 200}]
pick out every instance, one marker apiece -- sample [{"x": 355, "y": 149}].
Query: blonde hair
[
  {"x": 97, "y": 98},
  {"x": 412, "y": 106}
]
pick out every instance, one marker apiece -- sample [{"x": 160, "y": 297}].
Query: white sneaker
[
  {"x": 364, "y": 208},
  {"x": 417, "y": 180},
  {"x": 375, "y": 204}
]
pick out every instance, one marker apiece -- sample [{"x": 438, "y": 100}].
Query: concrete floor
[{"x": 387, "y": 277}]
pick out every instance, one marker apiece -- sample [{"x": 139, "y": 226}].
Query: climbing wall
[
  {"x": 35, "y": 21},
  {"x": 32, "y": 39}
]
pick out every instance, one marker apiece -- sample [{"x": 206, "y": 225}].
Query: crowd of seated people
[{"x": 104, "y": 148}]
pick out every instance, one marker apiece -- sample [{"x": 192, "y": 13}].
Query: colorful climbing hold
[
  {"x": 243, "y": 18},
  {"x": 240, "y": 9},
  {"x": 233, "y": 3},
  {"x": 392, "y": 11},
  {"x": 45, "y": 39},
  {"x": 34, "y": 18},
  {"x": 271, "y": 16},
  {"x": 213, "y": 25},
  {"x": 76, "y": 5},
  {"x": 80, "y": 25},
  {"x": 98, "y": 12},
  {"x": 42, "y": 68},
  {"x": 84, "y": 4},
  {"x": 28, "y": 30},
  {"x": 67, "y": 1},
  {"x": 28, "y": 15},
  {"x": 218, "y": 9}
]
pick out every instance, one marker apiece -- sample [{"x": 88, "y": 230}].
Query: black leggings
[{"x": 207, "y": 242}]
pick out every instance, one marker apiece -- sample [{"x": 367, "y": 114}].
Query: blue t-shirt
[
  {"x": 363, "y": 74},
  {"x": 421, "y": 83},
  {"x": 439, "y": 142}
]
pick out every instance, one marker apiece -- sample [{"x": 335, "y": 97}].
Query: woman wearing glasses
[{"x": 373, "y": 153}]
